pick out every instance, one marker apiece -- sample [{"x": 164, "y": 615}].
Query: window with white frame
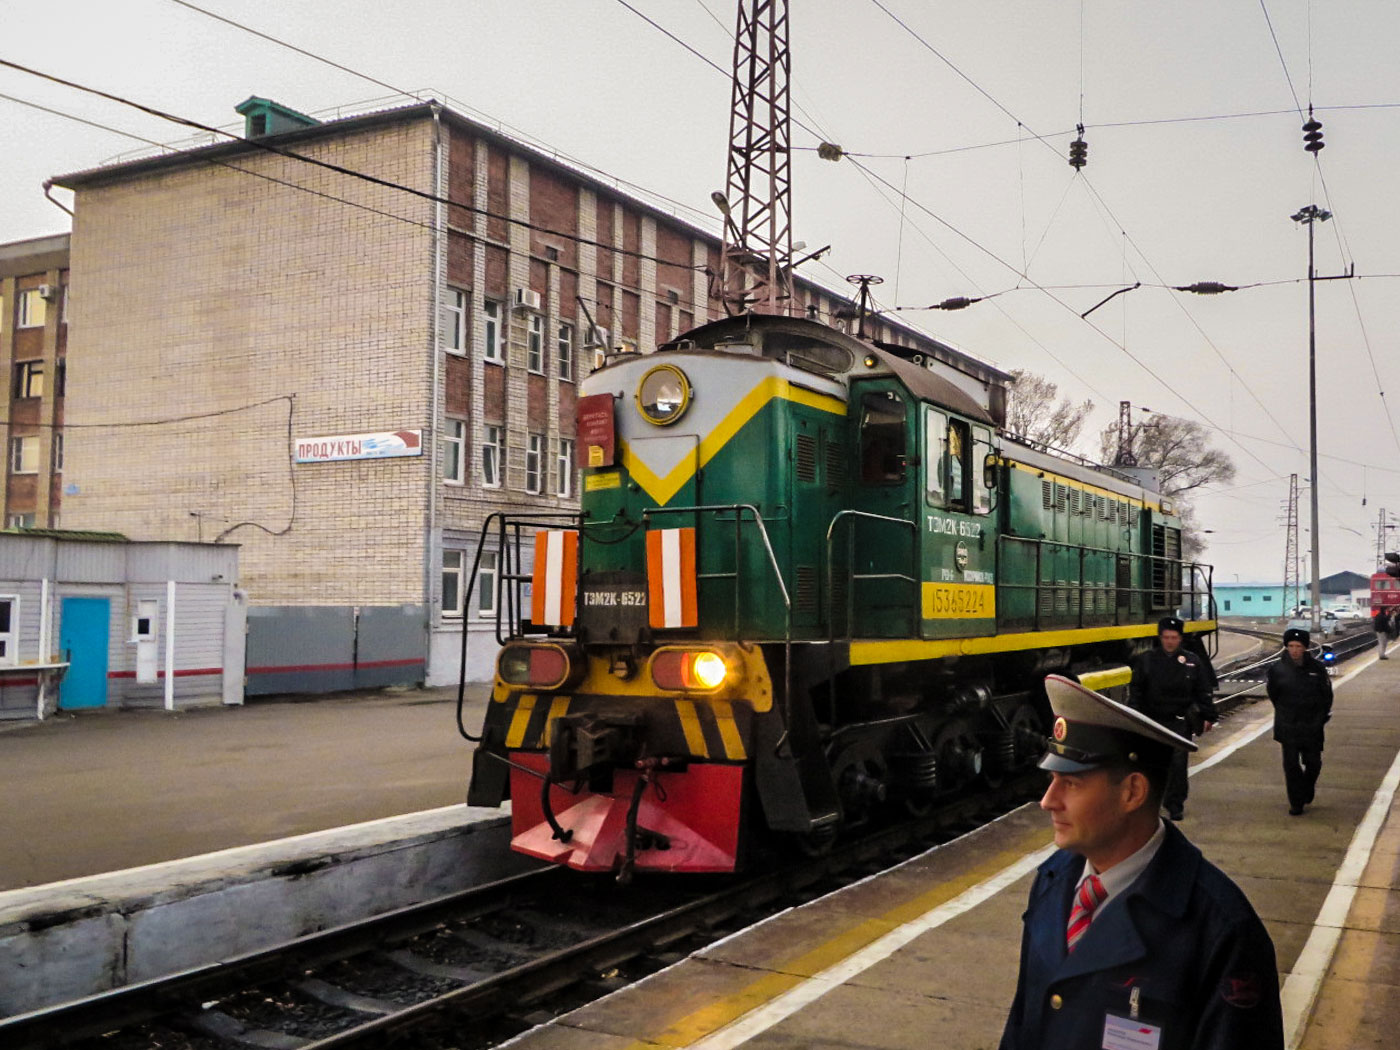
[
  {"x": 493, "y": 312},
  {"x": 57, "y": 453},
  {"x": 534, "y": 344},
  {"x": 451, "y": 583},
  {"x": 534, "y": 463},
  {"x": 492, "y": 457},
  {"x": 67, "y": 293},
  {"x": 564, "y": 482},
  {"x": 454, "y": 446},
  {"x": 32, "y": 309},
  {"x": 564, "y": 346},
  {"x": 487, "y": 573},
  {"x": 9, "y": 629},
  {"x": 19, "y": 521},
  {"x": 24, "y": 455},
  {"x": 454, "y": 321}
]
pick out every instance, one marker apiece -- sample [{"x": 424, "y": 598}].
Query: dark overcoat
[
  {"x": 1302, "y": 699},
  {"x": 1167, "y": 687},
  {"x": 1183, "y": 935}
]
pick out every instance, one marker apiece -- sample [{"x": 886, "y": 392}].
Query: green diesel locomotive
[{"x": 810, "y": 582}]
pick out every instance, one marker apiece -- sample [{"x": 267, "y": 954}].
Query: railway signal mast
[{"x": 756, "y": 255}]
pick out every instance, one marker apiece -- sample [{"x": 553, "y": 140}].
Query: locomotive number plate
[{"x": 959, "y": 601}]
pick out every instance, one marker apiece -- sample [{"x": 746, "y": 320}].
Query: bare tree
[
  {"x": 1037, "y": 414},
  {"x": 1181, "y": 453}
]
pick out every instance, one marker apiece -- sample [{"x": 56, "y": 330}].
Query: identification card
[{"x": 1119, "y": 1033}]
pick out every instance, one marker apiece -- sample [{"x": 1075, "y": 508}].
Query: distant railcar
[{"x": 810, "y": 582}]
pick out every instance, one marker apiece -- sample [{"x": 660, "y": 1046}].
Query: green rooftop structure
[{"x": 262, "y": 116}]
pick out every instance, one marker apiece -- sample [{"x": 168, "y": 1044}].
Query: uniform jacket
[
  {"x": 1302, "y": 699},
  {"x": 1167, "y": 687},
  {"x": 1183, "y": 935}
]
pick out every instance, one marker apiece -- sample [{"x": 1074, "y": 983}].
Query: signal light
[
  {"x": 538, "y": 666},
  {"x": 1078, "y": 150},
  {"x": 688, "y": 669},
  {"x": 1328, "y": 656},
  {"x": 1312, "y": 135}
]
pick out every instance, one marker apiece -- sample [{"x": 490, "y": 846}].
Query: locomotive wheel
[
  {"x": 959, "y": 755},
  {"x": 861, "y": 777},
  {"x": 818, "y": 842}
]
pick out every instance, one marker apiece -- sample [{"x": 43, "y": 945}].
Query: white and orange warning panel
[
  {"x": 671, "y": 577},
  {"x": 554, "y": 583}
]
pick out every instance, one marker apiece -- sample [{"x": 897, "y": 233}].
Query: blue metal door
[{"x": 83, "y": 636}]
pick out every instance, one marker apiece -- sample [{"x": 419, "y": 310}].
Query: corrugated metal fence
[{"x": 326, "y": 648}]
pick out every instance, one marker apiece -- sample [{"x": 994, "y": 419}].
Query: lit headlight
[{"x": 698, "y": 669}]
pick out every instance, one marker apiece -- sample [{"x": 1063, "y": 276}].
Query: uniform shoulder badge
[{"x": 1181, "y": 658}]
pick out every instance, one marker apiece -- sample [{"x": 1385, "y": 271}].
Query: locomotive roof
[{"x": 828, "y": 352}]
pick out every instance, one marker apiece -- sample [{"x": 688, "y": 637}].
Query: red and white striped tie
[{"x": 1091, "y": 894}]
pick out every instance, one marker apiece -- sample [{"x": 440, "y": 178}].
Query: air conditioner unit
[
  {"x": 48, "y": 291},
  {"x": 600, "y": 338},
  {"x": 527, "y": 299}
]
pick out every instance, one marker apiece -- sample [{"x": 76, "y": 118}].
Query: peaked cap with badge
[{"x": 1091, "y": 731}]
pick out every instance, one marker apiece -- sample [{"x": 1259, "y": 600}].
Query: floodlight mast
[{"x": 756, "y": 253}]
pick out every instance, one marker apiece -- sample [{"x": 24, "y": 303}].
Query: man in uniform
[
  {"x": 1301, "y": 692},
  {"x": 1172, "y": 686},
  {"x": 1131, "y": 938}
]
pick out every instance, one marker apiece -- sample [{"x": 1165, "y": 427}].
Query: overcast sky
[{"x": 1195, "y": 167}]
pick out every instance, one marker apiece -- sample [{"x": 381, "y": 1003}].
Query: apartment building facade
[
  {"x": 34, "y": 347},
  {"x": 348, "y": 377}
]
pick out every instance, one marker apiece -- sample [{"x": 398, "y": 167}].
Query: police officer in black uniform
[
  {"x": 1301, "y": 691},
  {"x": 1172, "y": 686},
  {"x": 1132, "y": 939}
]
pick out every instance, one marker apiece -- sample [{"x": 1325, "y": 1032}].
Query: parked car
[{"x": 1303, "y": 621}]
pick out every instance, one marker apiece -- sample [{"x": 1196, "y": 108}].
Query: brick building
[
  {"x": 34, "y": 345},
  {"x": 298, "y": 302}
]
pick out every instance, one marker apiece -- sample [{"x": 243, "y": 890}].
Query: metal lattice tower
[
  {"x": 756, "y": 258},
  {"x": 1381, "y": 526},
  {"x": 1292, "y": 554},
  {"x": 1125, "y": 456}
]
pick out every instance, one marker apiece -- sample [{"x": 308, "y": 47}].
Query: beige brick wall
[{"x": 204, "y": 289}]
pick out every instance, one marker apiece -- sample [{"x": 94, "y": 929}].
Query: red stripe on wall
[
  {"x": 186, "y": 673},
  {"x": 292, "y": 668}
]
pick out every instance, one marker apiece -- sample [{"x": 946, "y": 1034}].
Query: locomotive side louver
[{"x": 806, "y": 458}]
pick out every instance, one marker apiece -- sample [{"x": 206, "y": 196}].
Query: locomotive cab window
[
  {"x": 949, "y": 451},
  {"x": 883, "y": 455},
  {"x": 984, "y": 470}
]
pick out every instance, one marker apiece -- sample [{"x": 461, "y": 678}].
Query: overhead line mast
[{"x": 756, "y": 254}]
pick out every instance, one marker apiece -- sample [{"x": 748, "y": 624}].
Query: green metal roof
[{"x": 69, "y": 534}]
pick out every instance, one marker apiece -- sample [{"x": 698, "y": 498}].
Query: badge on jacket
[{"x": 1120, "y": 1033}]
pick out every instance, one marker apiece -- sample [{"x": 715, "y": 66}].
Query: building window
[
  {"x": 565, "y": 481},
  {"x": 565, "y": 346},
  {"x": 32, "y": 309},
  {"x": 60, "y": 376},
  {"x": 535, "y": 345},
  {"x": 495, "y": 334},
  {"x": 492, "y": 455},
  {"x": 452, "y": 583},
  {"x": 9, "y": 624},
  {"x": 20, "y": 521},
  {"x": 454, "y": 446},
  {"x": 66, "y": 292},
  {"x": 24, "y": 455},
  {"x": 57, "y": 453},
  {"x": 29, "y": 379},
  {"x": 486, "y": 576},
  {"x": 534, "y": 464},
  {"x": 454, "y": 321}
]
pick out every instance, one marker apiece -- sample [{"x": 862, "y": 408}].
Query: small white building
[{"x": 92, "y": 620}]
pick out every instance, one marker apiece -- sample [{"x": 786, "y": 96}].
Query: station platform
[
  {"x": 926, "y": 954},
  {"x": 95, "y": 792}
]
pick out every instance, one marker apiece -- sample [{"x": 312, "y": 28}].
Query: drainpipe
[{"x": 432, "y": 543}]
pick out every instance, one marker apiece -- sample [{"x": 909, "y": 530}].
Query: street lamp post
[{"x": 1308, "y": 215}]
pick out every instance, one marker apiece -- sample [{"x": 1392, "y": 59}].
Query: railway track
[{"x": 472, "y": 969}]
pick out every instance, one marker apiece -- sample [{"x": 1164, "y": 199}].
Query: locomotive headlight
[
  {"x": 698, "y": 670},
  {"x": 663, "y": 395},
  {"x": 708, "y": 670},
  {"x": 545, "y": 666}
]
